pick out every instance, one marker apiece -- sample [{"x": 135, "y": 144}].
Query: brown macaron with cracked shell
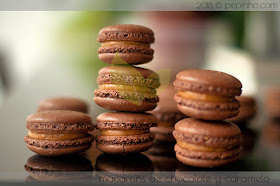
[
  {"x": 63, "y": 103},
  {"x": 58, "y": 132},
  {"x": 207, "y": 94},
  {"x": 127, "y": 88},
  {"x": 123, "y": 132},
  {"x": 126, "y": 44},
  {"x": 207, "y": 144}
]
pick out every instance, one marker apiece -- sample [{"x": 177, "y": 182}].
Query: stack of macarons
[
  {"x": 59, "y": 127},
  {"x": 127, "y": 89},
  {"x": 206, "y": 140}
]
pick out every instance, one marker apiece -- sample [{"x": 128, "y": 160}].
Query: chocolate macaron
[
  {"x": 122, "y": 132},
  {"x": 126, "y": 44},
  {"x": 272, "y": 101},
  {"x": 207, "y": 144},
  {"x": 58, "y": 132},
  {"x": 127, "y": 88},
  {"x": 207, "y": 94},
  {"x": 63, "y": 103},
  {"x": 247, "y": 110},
  {"x": 167, "y": 115}
]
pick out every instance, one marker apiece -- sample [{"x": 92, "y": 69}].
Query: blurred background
[
  {"x": 48, "y": 54},
  {"x": 53, "y": 47}
]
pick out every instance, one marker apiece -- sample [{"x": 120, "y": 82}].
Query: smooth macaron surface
[
  {"x": 207, "y": 94},
  {"x": 63, "y": 103},
  {"x": 127, "y": 88},
  {"x": 207, "y": 144},
  {"x": 125, "y": 44},
  {"x": 59, "y": 121},
  {"x": 122, "y": 132},
  {"x": 58, "y": 132}
]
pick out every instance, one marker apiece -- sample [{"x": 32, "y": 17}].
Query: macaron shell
[
  {"x": 163, "y": 133},
  {"x": 59, "y": 116},
  {"x": 126, "y": 32},
  {"x": 124, "y": 144},
  {"x": 123, "y": 105},
  {"x": 58, "y": 143},
  {"x": 124, "y": 148},
  {"x": 125, "y": 58},
  {"x": 208, "y": 155},
  {"x": 126, "y": 121},
  {"x": 60, "y": 127},
  {"x": 208, "y": 81},
  {"x": 63, "y": 103},
  {"x": 121, "y": 117},
  {"x": 205, "y": 163},
  {"x": 58, "y": 152},
  {"x": 207, "y": 114},
  {"x": 220, "y": 129},
  {"x": 207, "y": 110}
]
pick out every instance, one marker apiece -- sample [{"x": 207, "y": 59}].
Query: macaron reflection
[
  {"x": 130, "y": 168},
  {"x": 60, "y": 168}
]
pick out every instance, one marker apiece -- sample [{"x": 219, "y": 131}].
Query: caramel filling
[
  {"x": 124, "y": 43},
  {"x": 204, "y": 97},
  {"x": 193, "y": 147},
  {"x": 55, "y": 136},
  {"x": 127, "y": 88},
  {"x": 122, "y": 132}
]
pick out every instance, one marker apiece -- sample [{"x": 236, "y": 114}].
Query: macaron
[
  {"x": 124, "y": 132},
  {"x": 127, "y": 88},
  {"x": 207, "y": 144},
  {"x": 247, "y": 110},
  {"x": 272, "y": 101},
  {"x": 63, "y": 103},
  {"x": 167, "y": 115},
  {"x": 58, "y": 132},
  {"x": 125, "y": 44},
  {"x": 207, "y": 94},
  {"x": 47, "y": 168}
]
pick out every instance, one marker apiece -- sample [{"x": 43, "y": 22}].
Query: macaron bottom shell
[
  {"x": 207, "y": 110},
  {"x": 59, "y": 148},
  {"x": 123, "y": 58},
  {"x": 204, "y": 162},
  {"x": 124, "y": 149},
  {"x": 119, "y": 104}
]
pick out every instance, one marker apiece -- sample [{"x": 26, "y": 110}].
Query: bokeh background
[{"x": 48, "y": 54}]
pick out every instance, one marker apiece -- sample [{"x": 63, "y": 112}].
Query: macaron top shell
[
  {"x": 126, "y": 121},
  {"x": 59, "y": 116},
  {"x": 59, "y": 121},
  {"x": 216, "y": 129},
  {"x": 63, "y": 103},
  {"x": 208, "y": 81},
  {"x": 126, "y": 32}
]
